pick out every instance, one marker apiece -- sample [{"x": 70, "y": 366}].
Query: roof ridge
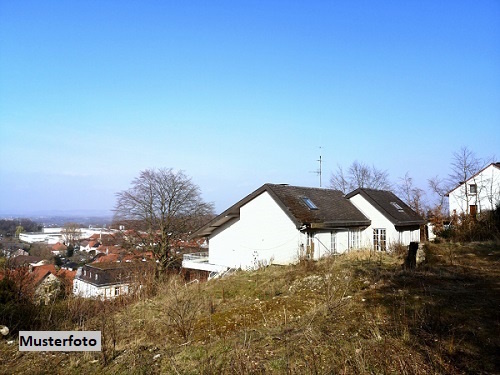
[{"x": 302, "y": 187}]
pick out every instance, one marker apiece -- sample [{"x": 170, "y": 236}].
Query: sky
[{"x": 238, "y": 93}]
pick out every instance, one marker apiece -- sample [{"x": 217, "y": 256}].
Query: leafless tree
[
  {"x": 167, "y": 204},
  {"x": 359, "y": 175},
  {"x": 464, "y": 165},
  {"x": 339, "y": 181},
  {"x": 71, "y": 233},
  {"x": 440, "y": 188},
  {"x": 411, "y": 194}
]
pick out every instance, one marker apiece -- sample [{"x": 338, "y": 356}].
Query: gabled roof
[
  {"x": 41, "y": 272},
  {"x": 393, "y": 208},
  {"x": 59, "y": 247},
  {"x": 110, "y": 273},
  {"x": 496, "y": 165},
  {"x": 23, "y": 260},
  {"x": 332, "y": 209}
]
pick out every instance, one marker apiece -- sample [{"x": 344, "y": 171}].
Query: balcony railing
[{"x": 196, "y": 257}]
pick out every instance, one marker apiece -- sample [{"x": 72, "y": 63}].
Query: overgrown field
[{"x": 354, "y": 314}]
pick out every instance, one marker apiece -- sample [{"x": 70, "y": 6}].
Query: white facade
[
  {"x": 87, "y": 290},
  {"x": 55, "y": 235},
  {"x": 263, "y": 234},
  {"x": 328, "y": 242},
  {"x": 380, "y": 225},
  {"x": 31, "y": 237},
  {"x": 479, "y": 193},
  {"x": 270, "y": 226}
]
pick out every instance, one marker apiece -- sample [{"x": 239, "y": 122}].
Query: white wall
[
  {"x": 87, "y": 290},
  {"x": 379, "y": 221},
  {"x": 32, "y": 237},
  {"x": 323, "y": 243},
  {"x": 263, "y": 234},
  {"x": 488, "y": 192}
]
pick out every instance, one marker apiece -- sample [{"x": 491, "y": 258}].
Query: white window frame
[
  {"x": 333, "y": 242},
  {"x": 354, "y": 238},
  {"x": 379, "y": 239}
]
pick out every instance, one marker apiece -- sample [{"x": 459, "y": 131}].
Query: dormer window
[
  {"x": 309, "y": 203},
  {"x": 473, "y": 189}
]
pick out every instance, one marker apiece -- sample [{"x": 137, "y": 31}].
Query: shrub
[{"x": 398, "y": 249}]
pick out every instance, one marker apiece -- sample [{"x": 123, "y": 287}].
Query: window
[
  {"x": 309, "y": 203},
  {"x": 117, "y": 291},
  {"x": 473, "y": 189},
  {"x": 310, "y": 245},
  {"x": 354, "y": 235},
  {"x": 333, "y": 243},
  {"x": 379, "y": 240},
  {"x": 96, "y": 276},
  {"x": 397, "y": 206}
]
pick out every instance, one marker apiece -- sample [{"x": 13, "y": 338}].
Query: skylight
[
  {"x": 397, "y": 206},
  {"x": 309, "y": 203}
]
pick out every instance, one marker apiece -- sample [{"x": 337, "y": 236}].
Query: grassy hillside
[{"x": 355, "y": 313}]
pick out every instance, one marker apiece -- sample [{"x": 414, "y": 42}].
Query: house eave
[
  {"x": 340, "y": 224},
  {"x": 101, "y": 285},
  {"x": 409, "y": 224}
]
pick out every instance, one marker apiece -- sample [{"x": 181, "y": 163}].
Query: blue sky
[{"x": 237, "y": 93}]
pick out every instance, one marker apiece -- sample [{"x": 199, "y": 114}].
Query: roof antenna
[{"x": 318, "y": 171}]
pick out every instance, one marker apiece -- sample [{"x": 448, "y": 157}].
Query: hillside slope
[{"x": 354, "y": 313}]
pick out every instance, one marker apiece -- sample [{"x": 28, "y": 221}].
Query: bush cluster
[{"x": 467, "y": 228}]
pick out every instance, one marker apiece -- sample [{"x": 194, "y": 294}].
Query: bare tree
[
  {"x": 438, "y": 187},
  {"x": 464, "y": 165},
  {"x": 412, "y": 195},
  {"x": 71, "y": 233},
  {"x": 167, "y": 205},
  {"x": 359, "y": 175},
  {"x": 339, "y": 181}
]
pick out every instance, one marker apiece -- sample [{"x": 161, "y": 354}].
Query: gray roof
[
  {"x": 112, "y": 273},
  {"x": 333, "y": 210},
  {"x": 393, "y": 208}
]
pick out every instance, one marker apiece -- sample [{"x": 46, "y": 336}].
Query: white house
[
  {"x": 108, "y": 280},
  {"x": 280, "y": 224},
  {"x": 392, "y": 221},
  {"x": 479, "y": 193}
]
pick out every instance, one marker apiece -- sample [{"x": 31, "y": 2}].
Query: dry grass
[{"x": 355, "y": 313}]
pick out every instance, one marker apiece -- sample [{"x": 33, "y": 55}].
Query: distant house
[
  {"x": 26, "y": 260},
  {"x": 12, "y": 253},
  {"x": 43, "y": 282},
  {"x": 281, "y": 224},
  {"x": 47, "y": 286},
  {"x": 59, "y": 249},
  {"x": 88, "y": 246},
  {"x": 479, "y": 193},
  {"x": 110, "y": 279}
]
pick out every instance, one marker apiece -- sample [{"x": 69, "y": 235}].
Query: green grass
[{"x": 355, "y": 313}]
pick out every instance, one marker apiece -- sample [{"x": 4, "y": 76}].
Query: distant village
[{"x": 86, "y": 262}]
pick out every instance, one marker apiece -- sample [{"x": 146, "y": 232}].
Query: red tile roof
[
  {"x": 59, "y": 247},
  {"x": 40, "y": 272}
]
